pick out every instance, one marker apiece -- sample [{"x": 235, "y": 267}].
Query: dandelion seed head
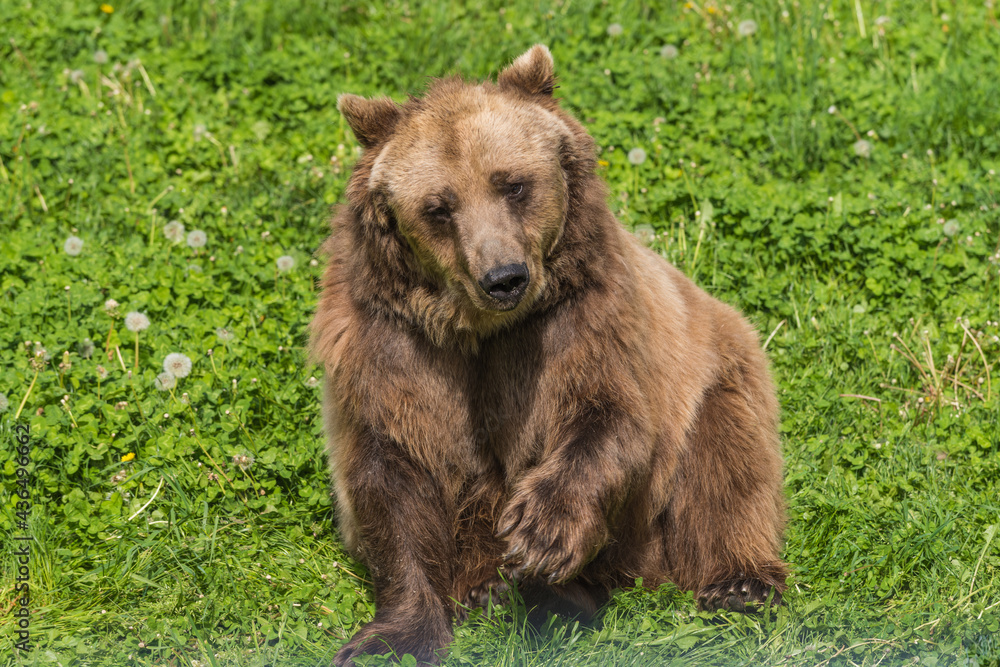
[
  {"x": 100, "y": 57},
  {"x": 225, "y": 335},
  {"x": 179, "y": 365},
  {"x": 102, "y": 372},
  {"x": 40, "y": 353},
  {"x": 951, "y": 228},
  {"x": 312, "y": 382},
  {"x": 73, "y": 246},
  {"x": 285, "y": 263},
  {"x": 747, "y": 27},
  {"x": 669, "y": 51},
  {"x": 615, "y": 29},
  {"x": 637, "y": 156},
  {"x": 76, "y": 76},
  {"x": 4, "y": 403},
  {"x": 645, "y": 233},
  {"x": 165, "y": 381},
  {"x": 197, "y": 239},
  {"x": 174, "y": 231},
  {"x": 136, "y": 322},
  {"x": 85, "y": 348},
  {"x": 862, "y": 148},
  {"x": 243, "y": 461}
]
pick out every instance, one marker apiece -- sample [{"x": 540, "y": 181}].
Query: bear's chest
[{"x": 508, "y": 407}]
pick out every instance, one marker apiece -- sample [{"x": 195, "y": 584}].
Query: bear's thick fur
[{"x": 515, "y": 385}]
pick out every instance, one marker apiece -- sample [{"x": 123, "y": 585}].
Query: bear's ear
[
  {"x": 372, "y": 120},
  {"x": 533, "y": 72}
]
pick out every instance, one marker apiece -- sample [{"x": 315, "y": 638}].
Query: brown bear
[{"x": 518, "y": 390}]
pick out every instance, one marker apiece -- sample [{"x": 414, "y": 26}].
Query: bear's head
[{"x": 468, "y": 189}]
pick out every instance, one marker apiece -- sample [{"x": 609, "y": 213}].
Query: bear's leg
[
  {"x": 723, "y": 527},
  {"x": 404, "y": 526},
  {"x": 477, "y": 577}
]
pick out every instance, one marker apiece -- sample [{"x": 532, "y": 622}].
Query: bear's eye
[
  {"x": 439, "y": 213},
  {"x": 515, "y": 190}
]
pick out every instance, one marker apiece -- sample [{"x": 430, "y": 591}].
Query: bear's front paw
[
  {"x": 550, "y": 536},
  {"x": 423, "y": 638}
]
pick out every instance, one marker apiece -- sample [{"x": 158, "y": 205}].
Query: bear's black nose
[{"x": 506, "y": 283}]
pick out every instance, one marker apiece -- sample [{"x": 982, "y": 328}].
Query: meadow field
[{"x": 828, "y": 167}]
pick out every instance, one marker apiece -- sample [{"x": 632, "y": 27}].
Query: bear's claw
[{"x": 742, "y": 593}]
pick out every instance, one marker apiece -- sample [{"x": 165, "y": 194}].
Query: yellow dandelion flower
[
  {"x": 603, "y": 163},
  {"x": 129, "y": 456},
  {"x": 107, "y": 9}
]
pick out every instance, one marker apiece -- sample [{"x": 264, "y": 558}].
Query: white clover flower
[
  {"x": 4, "y": 403},
  {"x": 197, "y": 239},
  {"x": 285, "y": 263},
  {"x": 951, "y": 228},
  {"x": 615, "y": 29},
  {"x": 100, "y": 56},
  {"x": 832, "y": 110},
  {"x": 73, "y": 246},
  {"x": 669, "y": 51},
  {"x": 177, "y": 364},
  {"x": 225, "y": 335},
  {"x": 174, "y": 231},
  {"x": 312, "y": 382},
  {"x": 863, "y": 148},
  {"x": 637, "y": 156},
  {"x": 136, "y": 322},
  {"x": 165, "y": 381},
  {"x": 747, "y": 27}
]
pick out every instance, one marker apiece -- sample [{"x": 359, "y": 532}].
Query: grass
[{"x": 832, "y": 173}]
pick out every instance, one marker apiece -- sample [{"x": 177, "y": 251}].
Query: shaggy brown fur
[{"x": 514, "y": 383}]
